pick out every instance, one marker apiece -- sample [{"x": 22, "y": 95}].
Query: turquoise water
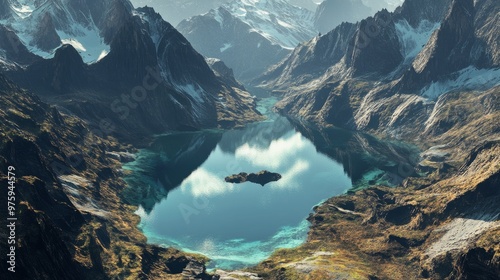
[{"x": 185, "y": 202}]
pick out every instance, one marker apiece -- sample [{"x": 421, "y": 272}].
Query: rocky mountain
[
  {"x": 402, "y": 56},
  {"x": 120, "y": 65},
  {"x": 249, "y": 35},
  {"x": 71, "y": 223},
  {"x": 398, "y": 40},
  {"x": 426, "y": 73},
  {"x": 307, "y": 4},
  {"x": 466, "y": 38},
  {"x": 178, "y": 10}
]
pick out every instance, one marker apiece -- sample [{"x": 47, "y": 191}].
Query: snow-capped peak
[
  {"x": 29, "y": 20},
  {"x": 276, "y": 20}
]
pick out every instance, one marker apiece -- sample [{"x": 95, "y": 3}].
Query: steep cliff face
[
  {"x": 375, "y": 47},
  {"x": 309, "y": 60},
  {"x": 416, "y": 11},
  {"x": 448, "y": 50},
  {"x": 370, "y": 47},
  {"x": 13, "y": 51},
  {"x": 5, "y": 10},
  {"x": 240, "y": 102},
  {"x": 485, "y": 22},
  {"x": 46, "y": 37}
]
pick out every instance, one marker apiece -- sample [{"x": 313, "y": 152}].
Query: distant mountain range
[
  {"x": 174, "y": 11},
  {"x": 249, "y": 35},
  {"x": 252, "y": 35}
]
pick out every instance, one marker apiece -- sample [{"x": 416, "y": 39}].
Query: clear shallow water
[{"x": 185, "y": 202}]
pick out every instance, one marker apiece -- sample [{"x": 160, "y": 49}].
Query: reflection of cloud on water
[
  {"x": 289, "y": 178},
  {"x": 276, "y": 155},
  {"x": 204, "y": 183},
  {"x": 282, "y": 155}
]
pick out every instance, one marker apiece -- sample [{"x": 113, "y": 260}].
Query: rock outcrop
[
  {"x": 263, "y": 177},
  {"x": 14, "y": 50}
]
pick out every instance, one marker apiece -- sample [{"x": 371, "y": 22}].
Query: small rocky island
[{"x": 263, "y": 177}]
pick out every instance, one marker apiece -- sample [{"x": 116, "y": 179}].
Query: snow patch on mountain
[
  {"x": 469, "y": 78},
  {"x": 85, "y": 38},
  {"x": 87, "y": 41},
  {"x": 75, "y": 43},
  {"x": 277, "y": 20},
  {"x": 218, "y": 17},
  {"x": 194, "y": 91},
  {"x": 103, "y": 54},
  {"x": 22, "y": 11},
  {"x": 4, "y": 63},
  {"x": 413, "y": 39},
  {"x": 196, "y": 94}
]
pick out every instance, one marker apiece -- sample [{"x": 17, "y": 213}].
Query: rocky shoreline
[
  {"x": 444, "y": 225},
  {"x": 72, "y": 222}
]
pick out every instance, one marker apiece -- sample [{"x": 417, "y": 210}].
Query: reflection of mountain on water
[
  {"x": 165, "y": 164},
  {"x": 362, "y": 155},
  {"x": 258, "y": 135},
  {"x": 172, "y": 158}
]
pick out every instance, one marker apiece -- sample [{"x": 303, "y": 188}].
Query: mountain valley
[{"x": 381, "y": 116}]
